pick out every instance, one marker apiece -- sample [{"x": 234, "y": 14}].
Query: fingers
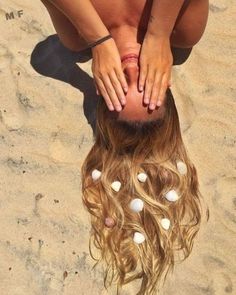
[
  {"x": 111, "y": 88},
  {"x": 149, "y": 85},
  {"x": 156, "y": 84},
  {"x": 164, "y": 85},
  {"x": 112, "y": 91},
  {"x": 121, "y": 78},
  {"x": 103, "y": 91},
  {"x": 142, "y": 78},
  {"x": 119, "y": 84},
  {"x": 159, "y": 89},
  {"x": 97, "y": 91},
  {"x": 155, "y": 91}
]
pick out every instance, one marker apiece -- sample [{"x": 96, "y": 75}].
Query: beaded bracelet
[{"x": 99, "y": 41}]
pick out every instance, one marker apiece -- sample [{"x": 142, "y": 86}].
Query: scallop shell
[
  {"x": 116, "y": 185},
  {"x": 142, "y": 177},
  {"x": 136, "y": 205},
  {"x": 96, "y": 174},
  {"x": 138, "y": 238},
  {"x": 181, "y": 166},
  {"x": 172, "y": 196},
  {"x": 165, "y": 223}
]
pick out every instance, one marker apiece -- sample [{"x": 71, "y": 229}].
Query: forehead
[{"x": 135, "y": 109}]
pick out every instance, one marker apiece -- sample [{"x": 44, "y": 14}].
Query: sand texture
[{"x": 47, "y": 107}]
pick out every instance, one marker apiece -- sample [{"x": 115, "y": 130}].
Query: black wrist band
[{"x": 99, "y": 41}]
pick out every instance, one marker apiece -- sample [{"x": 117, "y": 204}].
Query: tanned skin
[{"x": 147, "y": 28}]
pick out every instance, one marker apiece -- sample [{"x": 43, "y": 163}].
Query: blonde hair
[{"x": 122, "y": 149}]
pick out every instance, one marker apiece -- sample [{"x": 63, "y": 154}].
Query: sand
[{"x": 47, "y": 109}]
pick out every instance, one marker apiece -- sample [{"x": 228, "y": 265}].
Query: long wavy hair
[{"x": 122, "y": 149}]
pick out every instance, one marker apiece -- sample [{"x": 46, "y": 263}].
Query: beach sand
[{"x": 47, "y": 107}]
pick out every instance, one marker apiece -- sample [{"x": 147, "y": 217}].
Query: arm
[
  {"x": 84, "y": 17},
  {"x": 106, "y": 64},
  {"x": 163, "y": 16},
  {"x": 156, "y": 57}
]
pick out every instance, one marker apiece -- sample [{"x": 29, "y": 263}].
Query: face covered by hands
[{"x": 135, "y": 108}]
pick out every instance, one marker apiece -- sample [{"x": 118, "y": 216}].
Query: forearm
[
  {"x": 163, "y": 16},
  {"x": 84, "y": 17}
]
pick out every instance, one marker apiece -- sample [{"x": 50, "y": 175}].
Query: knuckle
[
  {"x": 164, "y": 83},
  {"x": 154, "y": 91},
  {"x": 143, "y": 60},
  {"x": 100, "y": 86},
  {"x": 156, "y": 84},
  {"x": 150, "y": 80},
  {"x": 109, "y": 89},
  {"x": 142, "y": 76},
  {"x": 116, "y": 83},
  {"x": 164, "y": 86},
  {"x": 168, "y": 64},
  {"x": 154, "y": 97},
  {"x": 120, "y": 76},
  {"x": 100, "y": 73},
  {"x": 143, "y": 70}
]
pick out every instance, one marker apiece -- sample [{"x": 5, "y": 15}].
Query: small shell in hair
[
  {"x": 138, "y": 238},
  {"x": 136, "y": 205},
  {"x": 116, "y": 185},
  {"x": 142, "y": 177},
  {"x": 109, "y": 222},
  {"x": 172, "y": 196},
  {"x": 181, "y": 166},
  {"x": 165, "y": 223},
  {"x": 96, "y": 174}
]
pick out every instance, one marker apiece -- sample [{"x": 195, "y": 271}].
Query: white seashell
[
  {"x": 142, "y": 177},
  {"x": 96, "y": 174},
  {"x": 116, "y": 185},
  {"x": 136, "y": 205},
  {"x": 171, "y": 196},
  {"x": 182, "y": 168},
  {"x": 138, "y": 237},
  {"x": 165, "y": 223}
]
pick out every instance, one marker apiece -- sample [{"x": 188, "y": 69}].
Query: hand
[
  {"x": 156, "y": 61},
  {"x": 109, "y": 77}
]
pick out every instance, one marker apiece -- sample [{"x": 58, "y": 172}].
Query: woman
[
  {"x": 146, "y": 28},
  {"x": 138, "y": 183}
]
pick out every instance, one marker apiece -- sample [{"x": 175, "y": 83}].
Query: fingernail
[
  {"x": 152, "y": 106},
  {"x": 146, "y": 99},
  {"x": 125, "y": 89},
  {"x": 141, "y": 88},
  {"x": 118, "y": 108},
  {"x": 158, "y": 102}
]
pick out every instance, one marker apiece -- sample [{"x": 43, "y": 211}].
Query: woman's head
[
  {"x": 157, "y": 138},
  {"x": 123, "y": 148},
  {"x": 134, "y": 108}
]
